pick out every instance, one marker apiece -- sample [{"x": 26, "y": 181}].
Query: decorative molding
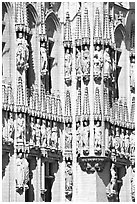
[{"x": 91, "y": 164}]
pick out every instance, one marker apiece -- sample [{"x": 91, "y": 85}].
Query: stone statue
[
  {"x": 22, "y": 52},
  {"x": 122, "y": 138},
  {"x": 132, "y": 74},
  {"x": 54, "y": 135},
  {"x": 22, "y": 172},
  {"x": 127, "y": 141},
  {"x": 19, "y": 172},
  {"x": 32, "y": 132},
  {"x": 113, "y": 179},
  {"x": 85, "y": 136},
  {"x": 98, "y": 138},
  {"x": 107, "y": 62},
  {"x": 38, "y": 133},
  {"x": 86, "y": 61},
  {"x": 48, "y": 133},
  {"x": 44, "y": 59},
  {"x": 68, "y": 64},
  {"x": 68, "y": 136},
  {"x": 132, "y": 144},
  {"x": 20, "y": 129},
  {"x": 78, "y": 62},
  {"x": 98, "y": 61},
  {"x": 69, "y": 178},
  {"x": 43, "y": 134},
  {"x": 11, "y": 128},
  {"x": 78, "y": 136}
]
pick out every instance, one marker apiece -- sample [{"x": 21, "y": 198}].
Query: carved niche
[{"x": 22, "y": 53}]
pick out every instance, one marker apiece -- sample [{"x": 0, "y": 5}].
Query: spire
[
  {"x": 42, "y": 99},
  {"x": 106, "y": 24},
  {"x": 48, "y": 106},
  {"x": 78, "y": 29},
  {"x": 86, "y": 106},
  {"x": 97, "y": 27},
  {"x": 68, "y": 114},
  {"x": 86, "y": 28},
  {"x": 116, "y": 112},
  {"x": 132, "y": 113},
  {"x": 42, "y": 26},
  {"x": 21, "y": 17},
  {"x": 20, "y": 93},
  {"x": 59, "y": 108},
  {"x": 53, "y": 106},
  {"x": 106, "y": 105},
  {"x": 67, "y": 32},
  {"x": 97, "y": 105},
  {"x": 10, "y": 97},
  {"x": 78, "y": 105}
]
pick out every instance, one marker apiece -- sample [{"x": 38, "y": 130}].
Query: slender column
[
  {"x": 73, "y": 96},
  {"x": 42, "y": 175},
  {"x": 91, "y": 85},
  {"x": 62, "y": 192}
]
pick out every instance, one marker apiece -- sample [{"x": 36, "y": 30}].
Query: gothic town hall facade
[{"x": 68, "y": 101}]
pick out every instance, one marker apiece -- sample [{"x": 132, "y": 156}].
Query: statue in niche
[
  {"x": 116, "y": 141},
  {"x": 48, "y": 133},
  {"x": 44, "y": 59},
  {"x": 68, "y": 64},
  {"x": 20, "y": 129},
  {"x": 43, "y": 134},
  {"x": 107, "y": 63},
  {"x": 86, "y": 61},
  {"x": 69, "y": 178},
  {"x": 78, "y": 136},
  {"x": 22, "y": 52},
  {"x": 22, "y": 172},
  {"x": 11, "y": 128},
  {"x": 113, "y": 180},
  {"x": 127, "y": 143},
  {"x": 54, "y": 135},
  {"x": 132, "y": 74},
  {"x": 111, "y": 136},
  {"x": 38, "y": 133},
  {"x": 68, "y": 136},
  {"x": 27, "y": 129},
  {"x": 85, "y": 135},
  {"x": 98, "y": 62},
  {"x": 32, "y": 132},
  {"x": 78, "y": 62},
  {"x": 122, "y": 144},
  {"x": 132, "y": 144},
  {"x": 98, "y": 137}
]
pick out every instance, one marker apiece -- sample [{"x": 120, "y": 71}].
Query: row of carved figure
[
  {"x": 34, "y": 132},
  {"x": 83, "y": 64},
  {"x": 122, "y": 143}
]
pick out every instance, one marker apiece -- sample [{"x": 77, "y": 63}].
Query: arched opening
[
  {"x": 53, "y": 38},
  {"x": 5, "y": 43},
  {"x": 121, "y": 62}
]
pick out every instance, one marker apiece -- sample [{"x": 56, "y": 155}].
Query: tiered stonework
[{"x": 68, "y": 101}]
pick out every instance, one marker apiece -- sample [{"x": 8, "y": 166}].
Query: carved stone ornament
[
  {"x": 98, "y": 63},
  {"x": 44, "y": 59},
  {"x": 22, "y": 54},
  {"x": 20, "y": 129},
  {"x": 98, "y": 139},
  {"x": 68, "y": 177},
  {"x": 68, "y": 66},
  {"x": 92, "y": 164},
  {"x": 22, "y": 173},
  {"x": 111, "y": 189},
  {"x": 86, "y": 64}
]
